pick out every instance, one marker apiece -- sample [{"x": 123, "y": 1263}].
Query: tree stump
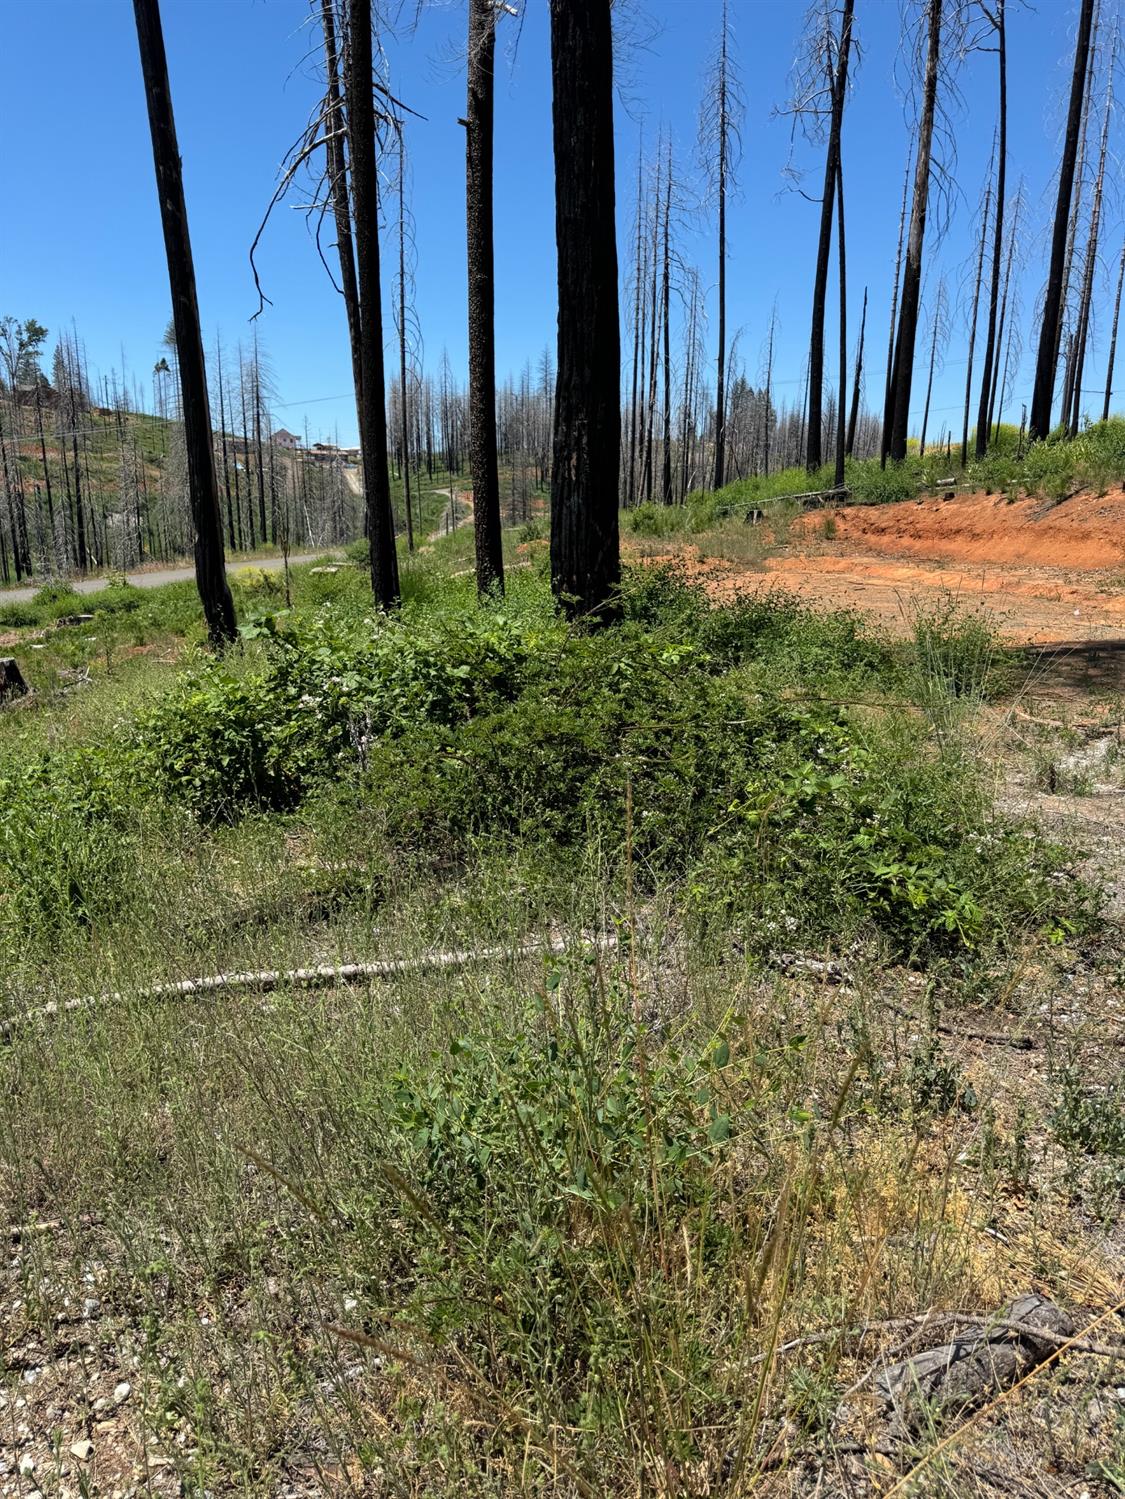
[{"x": 12, "y": 684}]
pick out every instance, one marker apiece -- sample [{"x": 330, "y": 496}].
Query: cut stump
[{"x": 12, "y": 684}]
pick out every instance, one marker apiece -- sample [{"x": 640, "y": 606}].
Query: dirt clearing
[{"x": 1045, "y": 572}]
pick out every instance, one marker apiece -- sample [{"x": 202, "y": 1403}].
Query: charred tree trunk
[
  {"x": 1113, "y": 336},
  {"x": 585, "y": 557},
  {"x": 338, "y": 190},
  {"x": 997, "y": 380},
  {"x": 721, "y": 364},
  {"x": 1043, "y": 393},
  {"x": 666, "y": 472},
  {"x": 814, "y": 449},
  {"x": 991, "y": 338},
  {"x": 210, "y": 570},
  {"x": 973, "y": 324},
  {"x": 853, "y": 415},
  {"x": 839, "y": 475},
  {"x": 482, "y": 298},
  {"x": 888, "y": 389},
  {"x": 638, "y": 310},
  {"x": 1087, "y": 294},
  {"x": 404, "y": 407},
  {"x": 365, "y": 196},
  {"x": 912, "y": 275},
  {"x": 223, "y": 437}
]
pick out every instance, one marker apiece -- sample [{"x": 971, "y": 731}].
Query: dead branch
[{"x": 321, "y": 977}]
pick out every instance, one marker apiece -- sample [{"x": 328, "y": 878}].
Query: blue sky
[{"x": 86, "y": 244}]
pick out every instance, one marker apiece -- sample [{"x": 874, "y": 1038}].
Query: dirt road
[{"x": 154, "y": 577}]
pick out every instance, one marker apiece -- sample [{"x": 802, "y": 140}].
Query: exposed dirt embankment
[
  {"x": 1045, "y": 572},
  {"x": 1087, "y": 531}
]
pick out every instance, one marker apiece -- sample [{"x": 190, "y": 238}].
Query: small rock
[
  {"x": 27, "y": 1464},
  {"x": 122, "y": 1391},
  {"x": 91, "y": 1307},
  {"x": 82, "y": 1450}
]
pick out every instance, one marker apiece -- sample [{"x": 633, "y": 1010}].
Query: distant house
[{"x": 284, "y": 439}]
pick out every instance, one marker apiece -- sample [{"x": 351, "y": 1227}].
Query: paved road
[{"x": 155, "y": 577}]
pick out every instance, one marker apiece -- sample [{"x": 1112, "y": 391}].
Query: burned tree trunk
[
  {"x": 853, "y": 415},
  {"x": 888, "y": 385},
  {"x": 991, "y": 338},
  {"x": 666, "y": 469},
  {"x": 365, "y": 196},
  {"x": 210, "y": 571},
  {"x": 1043, "y": 393},
  {"x": 973, "y": 324},
  {"x": 828, "y": 202},
  {"x": 482, "y": 299},
  {"x": 338, "y": 192},
  {"x": 912, "y": 275},
  {"x": 1113, "y": 336},
  {"x": 585, "y": 557}
]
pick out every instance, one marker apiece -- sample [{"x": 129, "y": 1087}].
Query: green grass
[
  {"x": 563, "y": 1207},
  {"x": 1051, "y": 469}
]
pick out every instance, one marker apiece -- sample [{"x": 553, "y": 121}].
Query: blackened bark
[
  {"x": 482, "y": 299},
  {"x": 638, "y": 313},
  {"x": 404, "y": 406},
  {"x": 839, "y": 475},
  {"x": 365, "y": 194},
  {"x": 814, "y": 448},
  {"x": 585, "y": 556},
  {"x": 338, "y": 190},
  {"x": 1087, "y": 293},
  {"x": 888, "y": 389},
  {"x": 853, "y": 415},
  {"x": 721, "y": 366},
  {"x": 912, "y": 273},
  {"x": 991, "y": 339},
  {"x": 1113, "y": 336},
  {"x": 210, "y": 570},
  {"x": 1043, "y": 392},
  {"x": 973, "y": 324},
  {"x": 666, "y": 470}
]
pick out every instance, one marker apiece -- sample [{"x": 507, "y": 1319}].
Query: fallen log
[
  {"x": 324, "y": 976},
  {"x": 972, "y": 1369}
]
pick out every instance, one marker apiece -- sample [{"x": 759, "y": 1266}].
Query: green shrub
[
  {"x": 872, "y": 485},
  {"x": 18, "y": 616},
  {"x": 957, "y": 652},
  {"x": 60, "y": 592},
  {"x": 657, "y": 520}
]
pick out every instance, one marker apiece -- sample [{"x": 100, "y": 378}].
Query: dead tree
[
  {"x": 404, "y": 407},
  {"x": 1087, "y": 291},
  {"x": 912, "y": 274},
  {"x": 818, "y": 99},
  {"x": 986, "y": 211},
  {"x": 482, "y": 298},
  {"x": 336, "y": 167},
  {"x": 838, "y": 479},
  {"x": 585, "y": 555},
  {"x": 210, "y": 570},
  {"x": 360, "y": 111},
  {"x": 720, "y": 144},
  {"x": 666, "y": 469},
  {"x": 1043, "y": 392},
  {"x": 995, "y": 17},
  {"x": 638, "y": 316},
  {"x": 1113, "y": 335},
  {"x": 853, "y": 415},
  {"x": 938, "y": 331},
  {"x": 888, "y": 387}
]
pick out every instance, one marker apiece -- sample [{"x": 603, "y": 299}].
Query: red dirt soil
[{"x": 1045, "y": 572}]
